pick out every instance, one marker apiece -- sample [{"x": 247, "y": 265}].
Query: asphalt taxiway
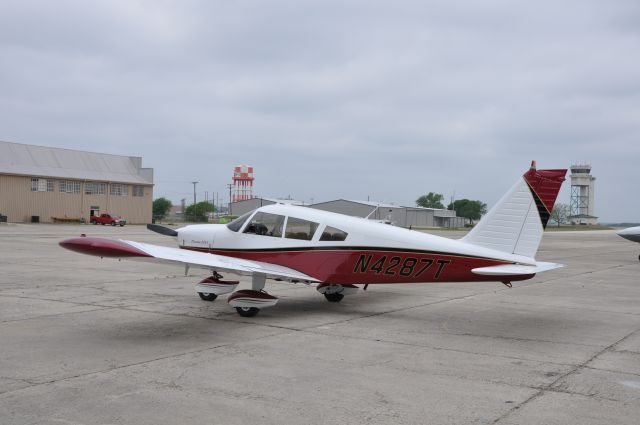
[{"x": 91, "y": 341}]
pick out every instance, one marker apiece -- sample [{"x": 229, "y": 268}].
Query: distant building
[
  {"x": 240, "y": 207},
  {"x": 175, "y": 211},
  {"x": 394, "y": 214},
  {"x": 42, "y": 184},
  {"x": 582, "y": 203}
]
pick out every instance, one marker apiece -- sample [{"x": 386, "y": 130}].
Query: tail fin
[{"x": 515, "y": 224}]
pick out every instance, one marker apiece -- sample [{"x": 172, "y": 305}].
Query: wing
[{"x": 117, "y": 248}]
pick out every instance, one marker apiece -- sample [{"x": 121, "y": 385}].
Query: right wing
[{"x": 117, "y": 248}]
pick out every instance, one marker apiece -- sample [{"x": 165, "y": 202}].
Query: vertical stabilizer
[{"x": 515, "y": 224}]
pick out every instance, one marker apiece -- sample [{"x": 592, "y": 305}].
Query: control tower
[
  {"x": 582, "y": 195},
  {"x": 242, "y": 183}
]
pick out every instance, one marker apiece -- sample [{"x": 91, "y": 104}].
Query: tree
[
  {"x": 161, "y": 207},
  {"x": 201, "y": 209},
  {"x": 430, "y": 200},
  {"x": 467, "y": 208},
  {"x": 560, "y": 213}
]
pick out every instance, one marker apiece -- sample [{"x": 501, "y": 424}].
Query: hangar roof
[{"x": 30, "y": 160}]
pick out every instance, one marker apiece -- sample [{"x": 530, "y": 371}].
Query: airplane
[
  {"x": 335, "y": 252},
  {"x": 632, "y": 234}
]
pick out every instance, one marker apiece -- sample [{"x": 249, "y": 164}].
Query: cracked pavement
[{"x": 91, "y": 341}]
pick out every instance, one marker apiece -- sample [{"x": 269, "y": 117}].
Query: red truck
[{"x": 107, "y": 219}]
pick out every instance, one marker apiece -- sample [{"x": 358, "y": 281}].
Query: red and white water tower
[{"x": 242, "y": 183}]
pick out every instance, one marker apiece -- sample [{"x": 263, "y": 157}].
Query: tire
[
  {"x": 206, "y": 296},
  {"x": 113, "y": 223},
  {"x": 334, "y": 298},
  {"x": 121, "y": 224},
  {"x": 247, "y": 311}
]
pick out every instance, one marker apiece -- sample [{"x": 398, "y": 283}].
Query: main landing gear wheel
[
  {"x": 247, "y": 311},
  {"x": 334, "y": 298},
  {"x": 206, "y": 296}
]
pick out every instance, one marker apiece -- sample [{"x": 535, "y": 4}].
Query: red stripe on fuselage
[{"x": 362, "y": 266}]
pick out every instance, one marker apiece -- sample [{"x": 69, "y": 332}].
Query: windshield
[{"x": 236, "y": 224}]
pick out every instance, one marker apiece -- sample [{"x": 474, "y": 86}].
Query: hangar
[
  {"x": 44, "y": 184},
  {"x": 246, "y": 205},
  {"x": 398, "y": 215}
]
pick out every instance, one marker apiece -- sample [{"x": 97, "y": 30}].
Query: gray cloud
[{"x": 335, "y": 98}]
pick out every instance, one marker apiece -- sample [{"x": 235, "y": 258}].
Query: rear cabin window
[
  {"x": 236, "y": 224},
  {"x": 333, "y": 234},
  {"x": 298, "y": 228},
  {"x": 266, "y": 224}
]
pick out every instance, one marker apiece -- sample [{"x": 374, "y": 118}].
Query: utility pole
[
  {"x": 194, "y": 198},
  {"x": 229, "y": 209}
]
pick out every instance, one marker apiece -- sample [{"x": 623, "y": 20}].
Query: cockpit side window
[
  {"x": 333, "y": 234},
  {"x": 298, "y": 228},
  {"x": 266, "y": 224},
  {"x": 236, "y": 224}
]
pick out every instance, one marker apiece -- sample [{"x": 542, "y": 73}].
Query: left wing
[{"x": 117, "y": 248}]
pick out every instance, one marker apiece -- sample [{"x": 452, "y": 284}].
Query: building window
[
  {"x": 92, "y": 188},
  {"x": 69, "y": 186},
  {"x": 41, "y": 185},
  {"x": 118, "y": 189},
  {"x": 137, "y": 191}
]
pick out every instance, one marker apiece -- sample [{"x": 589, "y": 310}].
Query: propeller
[{"x": 162, "y": 230}]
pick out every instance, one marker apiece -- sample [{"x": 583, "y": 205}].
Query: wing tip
[{"x": 102, "y": 247}]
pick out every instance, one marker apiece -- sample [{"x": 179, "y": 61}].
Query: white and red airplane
[{"x": 334, "y": 252}]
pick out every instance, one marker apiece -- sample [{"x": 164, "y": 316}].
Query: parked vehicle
[{"x": 108, "y": 219}]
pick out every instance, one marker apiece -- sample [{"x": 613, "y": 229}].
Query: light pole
[
  {"x": 194, "y": 199},
  {"x": 229, "y": 186}
]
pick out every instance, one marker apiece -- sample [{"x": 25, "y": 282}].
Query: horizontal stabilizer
[{"x": 516, "y": 269}]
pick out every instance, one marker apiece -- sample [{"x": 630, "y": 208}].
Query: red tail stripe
[{"x": 546, "y": 184}]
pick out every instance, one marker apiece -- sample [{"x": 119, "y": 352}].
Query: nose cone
[{"x": 631, "y": 233}]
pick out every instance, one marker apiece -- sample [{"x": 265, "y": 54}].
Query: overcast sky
[{"x": 334, "y": 99}]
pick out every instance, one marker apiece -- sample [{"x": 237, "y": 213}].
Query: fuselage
[{"x": 335, "y": 248}]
